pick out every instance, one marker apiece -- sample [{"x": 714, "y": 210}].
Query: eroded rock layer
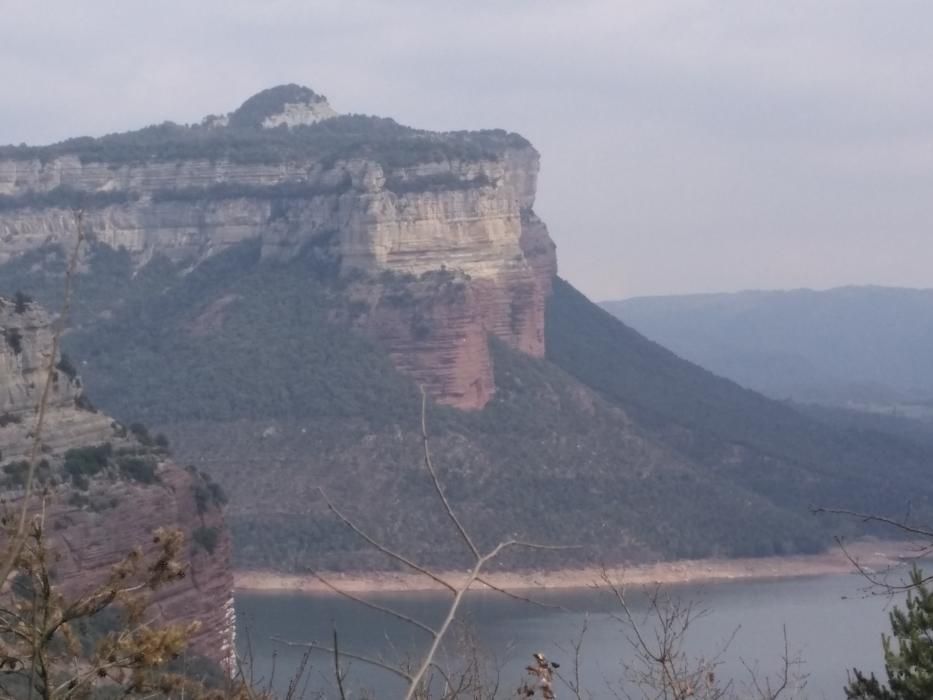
[
  {"x": 460, "y": 204},
  {"x": 95, "y": 525}
]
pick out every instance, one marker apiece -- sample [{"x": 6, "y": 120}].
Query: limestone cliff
[
  {"x": 378, "y": 198},
  {"x": 96, "y": 519}
]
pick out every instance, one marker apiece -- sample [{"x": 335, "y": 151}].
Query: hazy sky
[{"x": 686, "y": 146}]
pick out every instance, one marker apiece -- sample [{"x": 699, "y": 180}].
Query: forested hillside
[
  {"x": 255, "y": 372},
  {"x": 863, "y": 345}
]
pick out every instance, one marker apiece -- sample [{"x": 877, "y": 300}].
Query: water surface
[{"x": 830, "y": 621}]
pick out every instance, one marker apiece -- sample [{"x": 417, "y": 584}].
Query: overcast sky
[{"x": 686, "y": 146}]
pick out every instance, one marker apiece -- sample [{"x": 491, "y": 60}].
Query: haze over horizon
[{"x": 698, "y": 147}]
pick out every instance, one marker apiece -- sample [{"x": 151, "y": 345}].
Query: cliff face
[
  {"x": 409, "y": 216},
  {"x": 96, "y": 524},
  {"x": 25, "y": 348}
]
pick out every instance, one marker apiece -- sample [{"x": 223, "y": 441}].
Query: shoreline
[{"x": 875, "y": 555}]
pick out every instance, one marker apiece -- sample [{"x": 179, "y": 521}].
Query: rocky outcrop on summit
[
  {"x": 374, "y": 196},
  {"x": 283, "y": 105},
  {"x": 96, "y": 522}
]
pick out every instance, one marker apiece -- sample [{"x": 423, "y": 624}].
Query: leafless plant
[
  {"x": 17, "y": 539},
  {"x": 891, "y": 579},
  {"x": 790, "y": 681},
  {"x": 417, "y": 675},
  {"x": 572, "y": 679},
  {"x": 662, "y": 669}
]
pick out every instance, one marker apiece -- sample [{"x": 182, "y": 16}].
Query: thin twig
[
  {"x": 358, "y": 657},
  {"x": 437, "y": 484},
  {"x": 373, "y": 606},
  {"x": 515, "y": 596},
  {"x": 337, "y": 673},
  {"x": 19, "y": 536},
  {"x": 385, "y": 550},
  {"x": 869, "y": 518}
]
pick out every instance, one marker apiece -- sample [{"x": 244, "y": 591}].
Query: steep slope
[
  {"x": 762, "y": 444},
  {"x": 270, "y": 298},
  {"x": 376, "y": 198},
  {"x": 259, "y": 376},
  {"x": 854, "y": 344},
  {"x": 108, "y": 489}
]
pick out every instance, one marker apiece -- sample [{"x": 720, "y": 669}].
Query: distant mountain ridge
[{"x": 849, "y": 344}]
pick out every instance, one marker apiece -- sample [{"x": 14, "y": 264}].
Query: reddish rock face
[
  {"x": 115, "y": 514},
  {"x": 90, "y": 543},
  {"x": 436, "y": 328},
  {"x": 433, "y": 329}
]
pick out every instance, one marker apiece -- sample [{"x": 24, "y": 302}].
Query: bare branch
[
  {"x": 869, "y": 518},
  {"x": 385, "y": 550},
  {"x": 515, "y": 596},
  {"x": 357, "y": 657},
  {"x": 416, "y": 679},
  {"x": 574, "y": 684},
  {"x": 873, "y": 578},
  {"x": 373, "y": 606},
  {"x": 18, "y": 540},
  {"x": 434, "y": 480},
  {"x": 337, "y": 672}
]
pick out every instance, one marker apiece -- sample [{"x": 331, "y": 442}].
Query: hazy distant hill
[{"x": 858, "y": 344}]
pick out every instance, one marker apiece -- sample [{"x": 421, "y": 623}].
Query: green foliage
[
  {"x": 20, "y": 302},
  {"x": 206, "y": 538},
  {"x": 8, "y": 418},
  {"x": 207, "y": 492},
  {"x": 306, "y": 365},
  {"x": 64, "y": 198},
  {"x": 909, "y": 666},
  {"x": 760, "y": 444},
  {"x": 141, "y": 433},
  {"x": 110, "y": 284},
  {"x": 438, "y": 182},
  {"x": 16, "y": 473},
  {"x": 139, "y": 469},
  {"x": 84, "y": 462},
  {"x": 328, "y": 141},
  {"x": 231, "y": 190},
  {"x": 257, "y": 108},
  {"x": 14, "y": 339},
  {"x": 66, "y": 366},
  {"x": 83, "y": 403},
  {"x": 613, "y": 442}
]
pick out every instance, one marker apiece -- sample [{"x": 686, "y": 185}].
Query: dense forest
[
  {"x": 351, "y": 136},
  {"x": 612, "y": 441}
]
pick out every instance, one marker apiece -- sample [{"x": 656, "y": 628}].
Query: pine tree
[{"x": 909, "y": 667}]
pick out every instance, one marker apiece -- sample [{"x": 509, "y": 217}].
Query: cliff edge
[
  {"x": 108, "y": 487},
  {"x": 392, "y": 208}
]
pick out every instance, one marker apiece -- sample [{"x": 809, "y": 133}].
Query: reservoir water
[{"x": 831, "y": 622}]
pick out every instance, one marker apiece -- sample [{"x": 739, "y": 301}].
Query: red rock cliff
[{"x": 463, "y": 265}]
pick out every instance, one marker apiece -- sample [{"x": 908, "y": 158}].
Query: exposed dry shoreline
[{"x": 872, "y": 554}]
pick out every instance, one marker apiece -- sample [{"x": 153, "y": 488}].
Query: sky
[{"x": 687, "y": 145}]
